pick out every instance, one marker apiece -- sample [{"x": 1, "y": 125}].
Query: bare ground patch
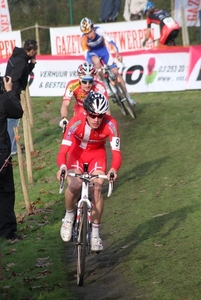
[{"x": 103, "y": 277}]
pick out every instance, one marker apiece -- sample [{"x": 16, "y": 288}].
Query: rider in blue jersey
[{"x": 96, "y": 44}]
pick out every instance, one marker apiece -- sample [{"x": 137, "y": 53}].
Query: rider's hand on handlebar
[
  {"x": 63, "y": 123},
  {"x": 60, "y": 172},
  {"x": 109, "y": 174},
  {"x": 119, "y": 58},
  {"x": 144, "y": 43}
]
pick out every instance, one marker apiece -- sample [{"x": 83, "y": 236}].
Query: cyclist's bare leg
[
  {"x": 72, "y": 192},
  {"x": 122, "y": 82},
  {"x": 97, "y": 64},
  {"x": 97, "y": 199},
  {"x": 119, "y": 78},
  {"x": 71, "y": 196},
  {"x": 98, "y": 202}
]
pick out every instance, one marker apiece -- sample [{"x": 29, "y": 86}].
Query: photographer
[
  {"x": 19, "y": 66},
  {"x": 10, "y": 107}
]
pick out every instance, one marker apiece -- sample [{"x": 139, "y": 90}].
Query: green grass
[{"x": 151, "y": 222}]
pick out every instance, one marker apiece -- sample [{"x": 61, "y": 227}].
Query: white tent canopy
[{"x": 133, "y": 7}]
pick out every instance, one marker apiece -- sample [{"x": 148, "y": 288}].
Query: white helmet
[
  {"x": 86, "y": 25},
  {"x": 96, "y": 103},
  {"x": 86, "y": 71}
]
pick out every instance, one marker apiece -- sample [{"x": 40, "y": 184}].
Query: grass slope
[{"x": 152, "y": 221}]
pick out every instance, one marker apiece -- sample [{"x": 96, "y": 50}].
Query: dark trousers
[{"x": 8, "y": 223}]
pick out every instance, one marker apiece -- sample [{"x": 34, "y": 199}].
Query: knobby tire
[
  {"x": 81, "y": 248},
  {"x": 117, "y": 98},
  {"x": 125, "y": 99}
]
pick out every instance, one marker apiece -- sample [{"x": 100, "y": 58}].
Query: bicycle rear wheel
[
  {"x": 125, "y": 100},
  {"x": 81, "y": 245},
  {"x": 117, "y": 98}
]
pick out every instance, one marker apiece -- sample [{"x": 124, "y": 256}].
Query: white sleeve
[{"x": 104, "y": 34}]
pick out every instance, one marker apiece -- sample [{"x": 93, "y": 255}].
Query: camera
[{"x": 2, "y": 87}]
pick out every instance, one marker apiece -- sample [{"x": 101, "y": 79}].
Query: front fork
[{"x": 76, "y": 227}]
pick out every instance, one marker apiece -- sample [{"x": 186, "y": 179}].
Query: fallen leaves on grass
[
  {"x": 42, "y": 262},
  {"x": 160, "y": 215},
  {"x": 159, "y": 245}
]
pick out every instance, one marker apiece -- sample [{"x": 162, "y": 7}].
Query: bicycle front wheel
[
  {"x": 116, "y": 98},
  {"x": 125, "y": 100},
  {"x": 81, "y": 245}
]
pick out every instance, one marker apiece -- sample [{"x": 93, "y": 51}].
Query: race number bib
[
  {"x": 169, "y": 22},
  {"x": 115, "y": 143}
]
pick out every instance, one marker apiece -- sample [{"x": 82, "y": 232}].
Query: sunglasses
[
  {"x": 96, "y": 116},
  {"x": 89, "y": 81}
]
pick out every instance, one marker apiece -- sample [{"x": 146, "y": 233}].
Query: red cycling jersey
[
  {"x": 84, "y": 144},
  {"x": 165, "y": 21},
  {"x": 74, "y": 89}
]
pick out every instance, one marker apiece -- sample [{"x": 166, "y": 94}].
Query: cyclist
[
  {"x": 79, "y": 89},
  {"x": 169, "y": 27},
  {"x": 84, "y": 141},
  {"x": 93, "y": 43}
]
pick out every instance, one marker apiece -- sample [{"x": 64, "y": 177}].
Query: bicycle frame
[
  {"x": 119, "y": 95},
  {"x": 82, "y": 224}
]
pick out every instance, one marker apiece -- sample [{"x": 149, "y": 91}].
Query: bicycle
[
  {"x": 119, "y": 95},
  {"x": 81, "y": 236}
]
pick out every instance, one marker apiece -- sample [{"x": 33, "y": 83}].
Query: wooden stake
[
  {"x": 1, "y": 268},
  {"x": 29, "y": 107},
  {"x": 29, "y": 207},
  {"x": 27, "y": 141}
]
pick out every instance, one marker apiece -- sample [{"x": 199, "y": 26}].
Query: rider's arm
[
  {"x": 147, "y": 35},
  {"x": 85, "y": 47},
  {"x": 115, "y": 147},
  {"x": 64, "y": 108},
  {"x": 108, "y": 39},
  {"x": 63, "y": 151},
  {"x": 65, "y": 103}
]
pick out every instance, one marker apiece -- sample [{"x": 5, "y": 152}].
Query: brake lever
[
  {"x": 64, "y": 127},
  {"x": 63, "y": 172},
  {"x": 112, "y": 180}
]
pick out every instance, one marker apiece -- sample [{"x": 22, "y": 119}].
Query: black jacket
[
  {"x": 19, "y": 68},
  {"x": 109, "y": 10},
  {"x": 10, "y": 107}
]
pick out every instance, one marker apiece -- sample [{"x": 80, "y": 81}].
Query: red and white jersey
[
  {"x": 73, "y": 89},
  {"x": 81, "y": 139}
]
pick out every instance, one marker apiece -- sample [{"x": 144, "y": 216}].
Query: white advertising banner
[
  {"x": 144, "y": 71},
  {"x": 8, "y": 41},
  {"x": 194, "y": 69},
  {"x": 128, "y": 36},
  {"x": 156, "y": 71},
  {"x": 191, "y": 12},
  {"x": 5, "y": 24}
]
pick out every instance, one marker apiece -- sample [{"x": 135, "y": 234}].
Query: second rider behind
[
  {"x": 79, "y": 89},
  {"x": 168, "y": 26},
  {"x": 93, "y": 43}
]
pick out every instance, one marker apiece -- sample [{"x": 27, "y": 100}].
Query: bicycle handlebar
[
  {"x": 64, "y": 127},
  {"x": 63, "y": 172},
  {"x": 91, "y": 177}
]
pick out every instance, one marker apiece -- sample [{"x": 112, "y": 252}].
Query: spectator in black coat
[
  {"x": 109, "y": 10},
  {"x": 10, "y": 107},
  {"x": 19, "y": 66}
]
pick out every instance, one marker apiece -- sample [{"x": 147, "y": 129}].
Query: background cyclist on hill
[
  {"x": 169, "y": 28},
  {"x": 84, "y": 142},
  {"x": 93, "y": 43},
  {"x": 79, "y": 88}
]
